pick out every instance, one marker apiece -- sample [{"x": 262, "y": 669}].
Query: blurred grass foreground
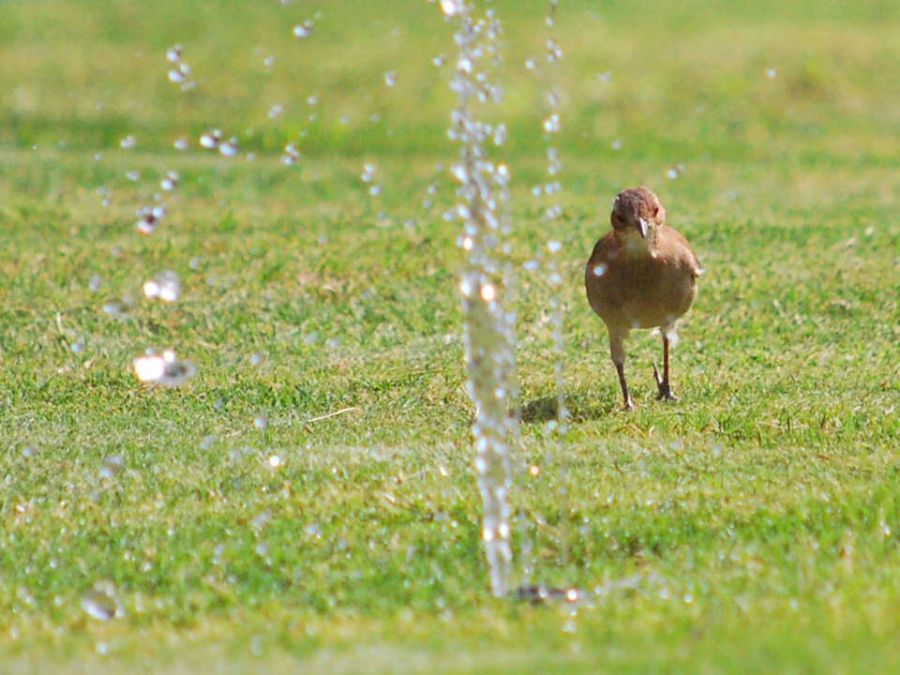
[{"x": 307, "y": 501}]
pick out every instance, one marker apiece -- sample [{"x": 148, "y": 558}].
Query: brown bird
[{"x": 643, "y": 274}]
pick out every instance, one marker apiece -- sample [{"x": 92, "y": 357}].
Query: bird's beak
[{"x": 643, "y": 227}]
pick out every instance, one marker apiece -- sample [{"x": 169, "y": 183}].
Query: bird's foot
[
  {"x": 665, "y": 391},
  {"x": 629, "y": 403}
]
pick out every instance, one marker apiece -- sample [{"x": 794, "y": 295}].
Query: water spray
[{"x": 489, "y": 324}]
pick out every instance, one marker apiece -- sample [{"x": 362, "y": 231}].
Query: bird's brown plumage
[{"x": 642, "y": 274}]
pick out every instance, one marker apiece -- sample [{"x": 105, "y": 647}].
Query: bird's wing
[
  {"x": 605, "y": 250},
  {"x": 678, "y": 247}
]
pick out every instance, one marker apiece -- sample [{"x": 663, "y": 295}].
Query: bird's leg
[
  {"x": 665, "y": 391},
  {"x": 617, "y": 348},
  {"x": 629, "y": 404}
]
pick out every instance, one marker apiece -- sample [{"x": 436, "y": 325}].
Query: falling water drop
[
  {"x": 452, "y": 7},
  {"x": 174, "y": 53},
  {"x": 165, "y": 286},
  {"x": 229, "y": 148},
  {"x": 551, "y": 123},
  {"x": 303, "y": 30},
  {"x": 169, "y": 181},
  {"x": 211, "y": 139},
  {"x": 163, "y": 370},
  {"x": 101, "y": 602}
]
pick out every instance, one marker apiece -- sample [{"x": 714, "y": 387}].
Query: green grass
[{"x": 758, "y": 515}]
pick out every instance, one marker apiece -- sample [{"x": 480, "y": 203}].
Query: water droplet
[
  {"x": 390, "y": 78},
  {"x": 165, "y": 286},
  {"x": 181, "y": 144},
  {"x": 464, "y": 65},
  {"x": 276, "y": 111},
  {"x": 211, "y": 139},
  {"x": 552, "y": 123},
  {"x": 261, "y": 521},
  {"x": 771, "y": 73},
  {"x": 180, "y": 74},
  {"x": 170, "y": 181},
  {"x": 291, "y": 155},
  {"x": 165, "y": 370},
  {"x": 275, "y": 461},
  {"x": 452, "y": 7},
  {"x": 229, "y": 148},
  {"x": 459, "y": 173},
  {"x": 552, "y": 212},
  {"x": 260, "y": 422},
  {"x": 128, "y": 142},
  {"x": 616, "y": 144},
  {"x": 303, "y": 30},
  {"x": 554, "y": 246},
  {"x": 115, "y": 308},
  {"x": 599, "y": 270},
  {"x": 112, "y": 466},
  {"x": 174, "y": 53},
  {"x": 101, "y": 602}
]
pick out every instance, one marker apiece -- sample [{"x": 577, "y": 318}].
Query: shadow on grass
[{"x": 581, "y": 409}]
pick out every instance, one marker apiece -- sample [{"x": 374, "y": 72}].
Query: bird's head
[{"x": 637, "y": 211}]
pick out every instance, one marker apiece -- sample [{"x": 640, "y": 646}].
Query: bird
[{"x": 642, "y": 274}]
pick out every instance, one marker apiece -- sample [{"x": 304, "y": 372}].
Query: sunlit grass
[{"x": 757, "y": 517}]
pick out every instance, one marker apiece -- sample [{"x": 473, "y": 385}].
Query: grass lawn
[{"x": 307, "y": 503}]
